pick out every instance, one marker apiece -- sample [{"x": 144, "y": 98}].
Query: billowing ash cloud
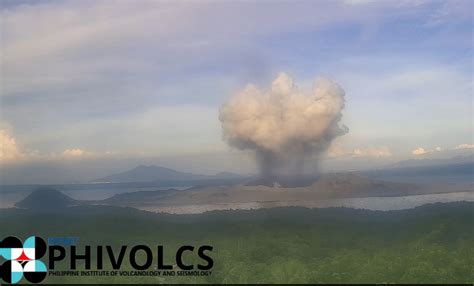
[{"x": 284, "y": 125}]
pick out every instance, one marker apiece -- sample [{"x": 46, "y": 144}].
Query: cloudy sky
[{"x": 102, "y": 80}]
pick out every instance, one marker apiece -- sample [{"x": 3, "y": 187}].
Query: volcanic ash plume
[{"x": 284, "y": 125}]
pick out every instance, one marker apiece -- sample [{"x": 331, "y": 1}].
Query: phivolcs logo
[{"x": 23, "y": 259}]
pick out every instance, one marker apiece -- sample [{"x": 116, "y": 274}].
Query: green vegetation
[{"x": 429, "y": 244}]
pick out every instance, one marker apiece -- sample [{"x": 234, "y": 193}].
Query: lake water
[
  {"x": 9, "y": 198},
  {"x": 371, "y": 203}
]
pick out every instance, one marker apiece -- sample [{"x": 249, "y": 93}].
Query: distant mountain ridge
[
  {"x": 154, "y": 173},
  {"x": 457, "y": 170},
  {"x": 354, "y": 184},
  {"x": 457, "y": 160}
]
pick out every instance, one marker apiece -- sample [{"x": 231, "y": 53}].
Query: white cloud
[
  {"x": 419, "y": 151},
  {"x": 358, "y": 2},
  {"x": 393, "y": 4},
  {"x": 336, "y": 150},
  {"x": 9, "y": 150},
  {"x": 451, "y": 12},
  {"x": 75, "y": 152},
  {"x": 422, "y": 151},
  {"x": 372, "y": 152},
  {"x": 464, "y": 146}
]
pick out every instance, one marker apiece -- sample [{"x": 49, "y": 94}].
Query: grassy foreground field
[{"x": 429, "y": 244}]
